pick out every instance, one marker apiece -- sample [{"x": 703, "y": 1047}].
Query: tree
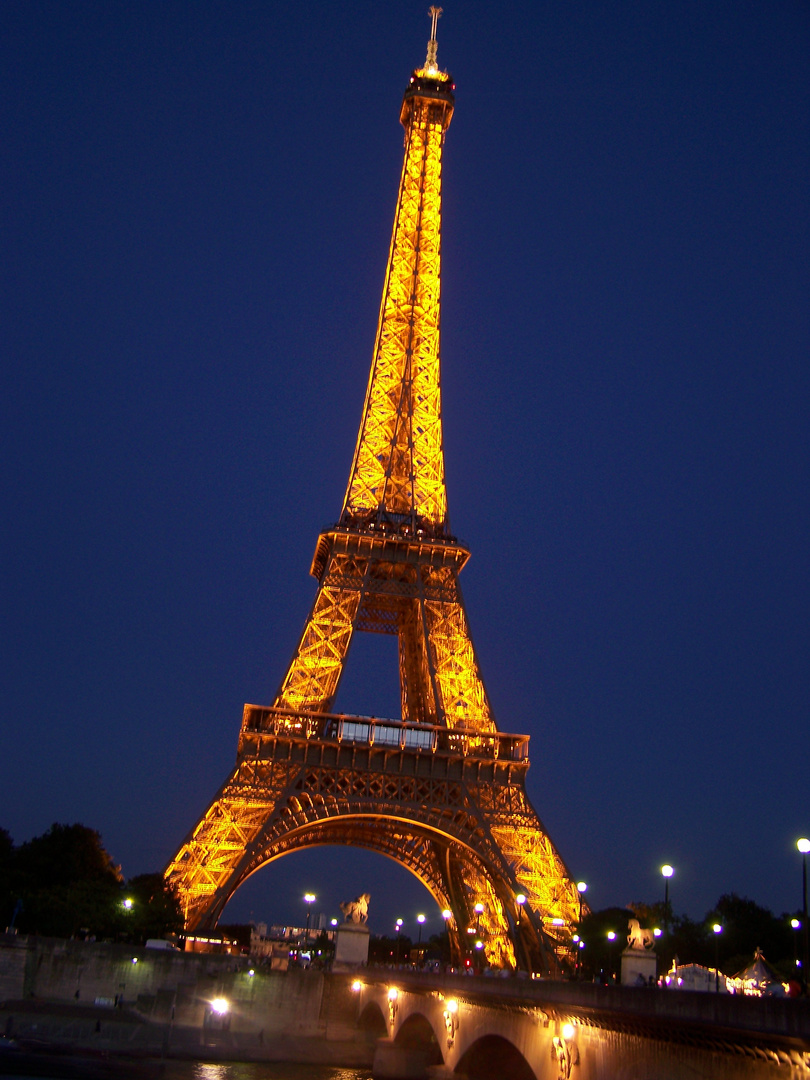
[
  {"x": 66, "y": 882},
  {"x": 8, "y": 899},
  {"x": 601, "y": 955},
  {"x": 389, "y": 950},
  {"x": 747, "y": 927},
  {"x": 439, "y": 947},
  {"x": 323, "y": 950},
  {"x": 155, "y": 910},
  {"x": 650, "y": 916},
  {"x": 689, "y": 941}
]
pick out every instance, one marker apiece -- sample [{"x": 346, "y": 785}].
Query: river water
[
  {"x": 197, "y": 1070},
  {"x": 259, "y": 1071}
]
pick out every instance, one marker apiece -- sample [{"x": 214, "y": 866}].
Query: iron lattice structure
[{"x": 441, "y": 791}]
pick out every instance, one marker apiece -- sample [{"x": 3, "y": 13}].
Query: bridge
[{"x": 522, "y": 1029}]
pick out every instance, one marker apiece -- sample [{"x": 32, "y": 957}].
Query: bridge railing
[
  {"x": 380, "y": 732},
  {"x": 698, "y": 1017}
]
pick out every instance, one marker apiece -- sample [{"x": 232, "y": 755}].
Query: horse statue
[
  {"x": 638, "y": 938},
  {"x": 356, "y": 911}
]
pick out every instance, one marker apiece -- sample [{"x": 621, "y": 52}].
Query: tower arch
[{"x": 435, "y": 856}]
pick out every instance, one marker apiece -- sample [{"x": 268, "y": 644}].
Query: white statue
[
  {"x": 356, "y": 911},
  {"x": 638, "y": 938}
]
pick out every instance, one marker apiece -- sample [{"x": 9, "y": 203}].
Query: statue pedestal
[
  {"x": 351, "y": 947},
  {"x": 639, "y": 967}
]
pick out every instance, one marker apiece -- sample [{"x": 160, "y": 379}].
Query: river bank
[{"x": 99, "y": 998}]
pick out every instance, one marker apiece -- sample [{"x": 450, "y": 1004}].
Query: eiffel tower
[{"x": 442, "y": 790}]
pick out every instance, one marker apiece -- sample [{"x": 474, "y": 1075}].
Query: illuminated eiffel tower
[{"x": 441, "y": 791}]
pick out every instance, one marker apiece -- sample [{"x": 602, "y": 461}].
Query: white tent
[{"x": 757, "y": 979}]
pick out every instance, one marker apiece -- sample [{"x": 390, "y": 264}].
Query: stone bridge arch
[
  {"x": 467, "y": 1037},
  {"x": 416, "y": 1035},
  {"x": 372, "y": 1022},
  {"x": 492, "y": 1057}
]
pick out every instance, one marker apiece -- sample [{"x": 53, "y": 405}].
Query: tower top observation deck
[{"x": 428, "y": 82}]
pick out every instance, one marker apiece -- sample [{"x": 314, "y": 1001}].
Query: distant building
[
  {"x": 219, "y": 945},
  {"x": 283, "y": 945}
]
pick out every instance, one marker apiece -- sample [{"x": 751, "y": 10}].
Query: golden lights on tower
[{"x": 440, "y": 790}]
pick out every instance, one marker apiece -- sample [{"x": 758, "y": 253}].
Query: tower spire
[
  {"x": 397, "y": 476},
  {"x": 430, "y": 62}
]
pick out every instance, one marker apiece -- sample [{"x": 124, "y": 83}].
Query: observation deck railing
[{"x": 387, "y": 734}]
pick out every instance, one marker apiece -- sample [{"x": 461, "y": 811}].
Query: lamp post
[
  {"x": 309, "y": 900},
  {"x": 520, "y": 900},
  {"x": 447, "y": 915},
  {"x": 717, "y": 929},
  {"x": 667, "y": 872},
  {"x": 611, "y": 936},
  {"x": 581, "y": 889},
  {"x": 479, "y": 955},
  {"x": 421, "y": 920},
  {"x": 478, "y": 943},
  {"x": 399, "y": 929},
  {"x": 479, "y": 911},
  {"x": 803, "y": 844}
]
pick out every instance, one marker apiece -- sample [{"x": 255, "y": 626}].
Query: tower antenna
[{"x": 430, "y": 62}]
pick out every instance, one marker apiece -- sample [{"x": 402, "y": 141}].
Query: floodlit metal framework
[{"x": 441, "y": 791}]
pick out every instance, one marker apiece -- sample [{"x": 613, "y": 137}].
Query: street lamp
[
  {"x": 309, "y": 900},
  {"x": 520, "y": 900},
  {"x": 421, "y": 920},
  {"x": 447, "y": 915},
  {"x": 581, "y": 888},
  {"x": 717, "y": 930},
  {"x": 611, "y": 975},
  {"x": 795, "y": 924},
  {"x": 399, "y": 928},
  {"x": 667, "y": 872},
  {"x": 803, "y": 844},
  {"x": 479, "y": 911}
]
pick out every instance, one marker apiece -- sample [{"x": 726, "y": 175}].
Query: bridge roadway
[{"x": 439, "y": 1026}]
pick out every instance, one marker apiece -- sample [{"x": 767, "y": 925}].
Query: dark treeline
[
  {"x": 744, "y": 928},
  {"x": 64, "y": 884}
]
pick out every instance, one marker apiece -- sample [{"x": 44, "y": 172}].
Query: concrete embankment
[{"x": 117, "y": 999}]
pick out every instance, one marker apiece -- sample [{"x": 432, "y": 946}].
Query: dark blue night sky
[{"x": 197, "y": 204}]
